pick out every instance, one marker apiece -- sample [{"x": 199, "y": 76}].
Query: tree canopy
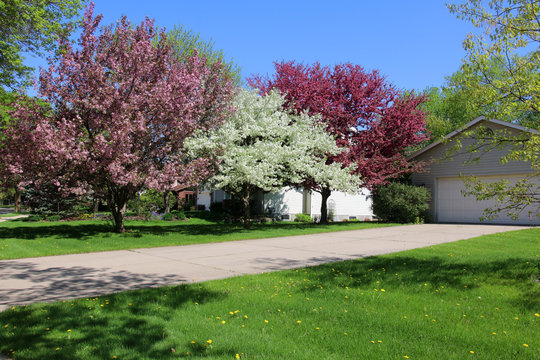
[
  {"x": 31, "y": 26},
  {"x": 263, "y": 147},
  {"x": 371, "y": 120},
  {"x": 122, "y": 105}
]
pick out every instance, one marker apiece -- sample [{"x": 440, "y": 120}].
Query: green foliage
[
  {"x": 48, "y": 200},
  {"x": 31, "y": 26},
  {"x": 147, "y": 202},
  {"x": 503, "y": 59},
  {"x": 304, "y": 218},
  {"x": 178, "y": 215},
  {"x": 33, "y": 218},
  {"x": 52, "y": 217},
  {"x": 168, "y": 217},
  {"x": 185, "y": 42},
  {"x": 401, "y": 203}
]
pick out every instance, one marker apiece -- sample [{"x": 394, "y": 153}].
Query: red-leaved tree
[
  {"x": 373, "y": 122},
  {"x": 121, "y": 107}
]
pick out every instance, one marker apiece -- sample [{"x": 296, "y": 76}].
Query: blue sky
[{"x": 414, "y": 43}]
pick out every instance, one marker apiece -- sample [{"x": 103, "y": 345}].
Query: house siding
[{"x": 459, "y": 164}]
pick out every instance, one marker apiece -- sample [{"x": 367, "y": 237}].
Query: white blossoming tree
[{"x": 261, "y": 147}]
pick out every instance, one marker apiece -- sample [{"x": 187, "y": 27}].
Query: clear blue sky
[{"x": 414, "y": 43}]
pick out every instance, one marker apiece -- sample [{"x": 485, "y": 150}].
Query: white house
[{"x": 289, "y": 202}]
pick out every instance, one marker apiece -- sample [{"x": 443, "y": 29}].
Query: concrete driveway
[{"x": 52, "y": 278}]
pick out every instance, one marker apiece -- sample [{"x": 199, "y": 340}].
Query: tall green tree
[
  {"x": 31, "y": 26},
  {"x": 506, "y": 54}
]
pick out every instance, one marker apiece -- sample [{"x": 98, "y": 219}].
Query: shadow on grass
[
  {"x": 420, "y": 275},
  {"x": 84, "y": 231},
  {"x": 124, "y": 325}
]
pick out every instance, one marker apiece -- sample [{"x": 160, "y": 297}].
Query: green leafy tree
[
  {"x": 31, "y": 26},
  {"x": 503, "y": 65}
]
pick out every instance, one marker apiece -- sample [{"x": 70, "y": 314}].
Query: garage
[
  {"x": 443, "y": 163},
  {"x": 453, "y": 207}
]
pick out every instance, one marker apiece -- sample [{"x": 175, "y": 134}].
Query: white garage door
[{"x": 452, "y": 206}]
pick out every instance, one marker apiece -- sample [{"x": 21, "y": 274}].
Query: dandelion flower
[
  {"x": 525, "y": 345},
  {"x": 237, "y": 356},
  {"x": 223, "y": 322},
  {"x": 298, "y": 322},
  {"x": 209, "y": 341},
  {"x": 472, "y": 352}
]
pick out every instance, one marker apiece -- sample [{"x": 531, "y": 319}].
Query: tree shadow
[
  {"x": 437, "y": 272},
  {"x": 133, "y": 324},
  {"x": 85, "y": 231}
]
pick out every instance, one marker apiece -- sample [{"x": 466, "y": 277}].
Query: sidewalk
[{"x": 51, "y": 278}]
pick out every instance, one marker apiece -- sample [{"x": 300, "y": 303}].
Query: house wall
[
  {"x": 287, "y": 201},
  {"x": 458, "y": 164},
  {"x": 343, "y": 206}
]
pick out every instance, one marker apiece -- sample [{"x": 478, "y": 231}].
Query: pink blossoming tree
[
  {"x": 122, "y": 105},
  {"x": 373, "y": 121}
]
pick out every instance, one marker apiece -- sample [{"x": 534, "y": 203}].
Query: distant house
[
  {"x": 443, "y": 179},
  {"x": 289, "y": 202}
]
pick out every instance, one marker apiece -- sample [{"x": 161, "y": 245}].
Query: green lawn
[
  {"x": 472, "y": 299},
  {"x": 20, "y": 239}
]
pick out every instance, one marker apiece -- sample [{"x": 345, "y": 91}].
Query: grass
[
  {"x": 472, "y": 299},
  {"x": 19, "y": 239},
  {"x": 12, "y": 214}
]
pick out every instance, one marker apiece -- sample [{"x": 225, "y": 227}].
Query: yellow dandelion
[
  {"x": 525, "y": 345},
  {"x": 209, "y": 341},
  {"x": 236, "y": 311},
  {"x": 231, "y": 313},
  {"x": 47, "y": 329},
  {"x": 193, "y": 341},
  {"x": 298, "y": 322},
  {"x": 383, "y": 290},
  {"x": 373, "y": 341},
  {"x": 266, "y": 321},
  {"x": 245, "y": 316},
  {"x": 243, "y": 325},
  {"x": 69, "y": 330},
  {"x": 472, "y": 352},
  {"x": 345, "y": 334},
  {"x": 237, "y": 356},
  {"x": 379, "y": 341},
  {"x": 493, "y": 333},
  {"x": 516, "y": 318},
  {"x": 405, "y": 356},
  {"x": 537, "y": 314},
  {"x": 57, "y": 349},
  {"x": 223, "y": 322},
  {"x": 317, "y": 328}
]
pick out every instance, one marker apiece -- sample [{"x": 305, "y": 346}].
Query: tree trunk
[
  {"x": 117, "y": 199},
  {"x": 245, "y": 205},
  {"x": 166, "y": 201},
  {"x": 95, "y": 205},
  {"x": 118, "y": 212},
  {"x": 325, "y": 194},
  {"x": 17, "y": 199}
]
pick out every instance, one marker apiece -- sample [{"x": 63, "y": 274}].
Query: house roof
[{"x": 467, "y": 126}]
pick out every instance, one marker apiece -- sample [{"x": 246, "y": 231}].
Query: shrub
[
  {"x": 179, "y": 215},
  {"x": 85, "y": 216},
  {"x": 52, "y": 217},
  {"x": 168, "y": 217},
  {"x": 304, "y": 218},
  {"x": 401, "y": 203},
  {"x": 33, "y": 218}
]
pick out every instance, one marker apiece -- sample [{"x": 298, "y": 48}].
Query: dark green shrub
[
  {"x": 168, "y": 217},
  {"x": 52, "y": 217},
  {"x": 179, "y": 215},
  {"x": 401, "y": 203},
  {"x": 33, "y": 218},
  {"x": 48, "y": 200},
  {"x": 304, "y": 218}
]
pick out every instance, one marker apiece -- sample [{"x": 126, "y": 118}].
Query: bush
[
  {"x": 168, "y": 217},
  {"x": 304, "y": 218},
  {"x": 52, "y": 217},
  {"x": 85, "y": 216},
  {"x": 33, "y": 218},
  {"x": 401, "y": 203},
  {"x": 179, "y": 215}
]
